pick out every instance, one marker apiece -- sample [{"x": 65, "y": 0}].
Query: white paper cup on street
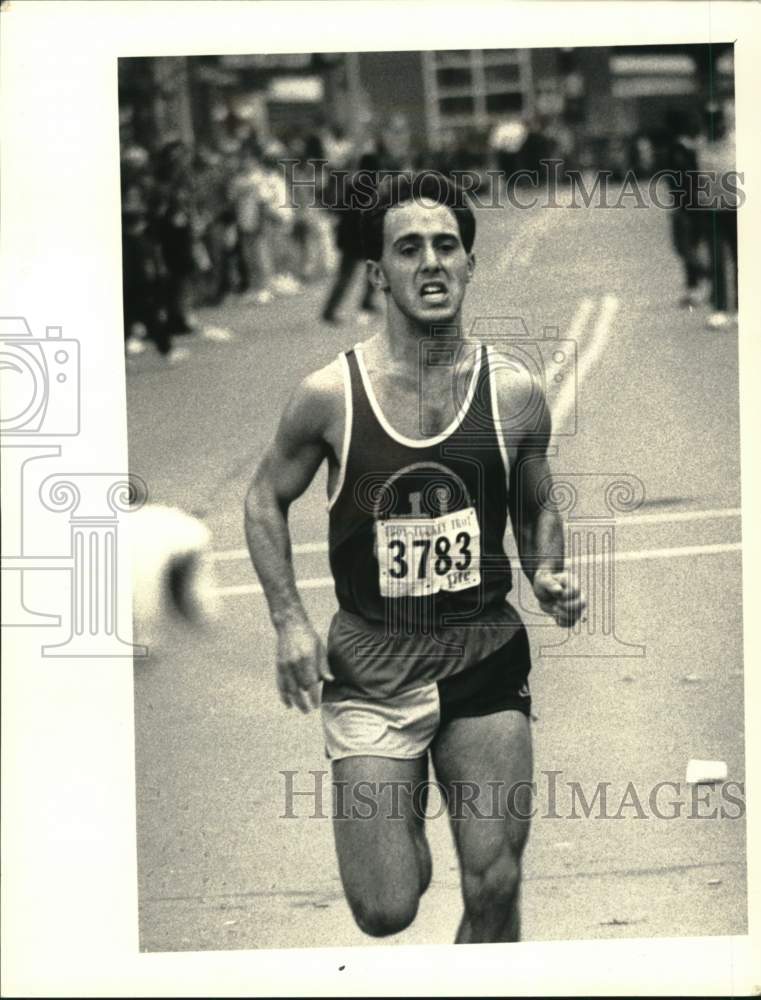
[{"x": 706, "y": 772}]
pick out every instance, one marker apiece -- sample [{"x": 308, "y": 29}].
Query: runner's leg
[
  {"x": 383, "y": 854},
  {"x": 478, "y": 761}
]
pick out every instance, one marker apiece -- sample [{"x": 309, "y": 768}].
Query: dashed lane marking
[{"x": 318, "y": 582}]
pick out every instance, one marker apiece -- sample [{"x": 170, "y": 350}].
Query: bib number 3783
[{"x": 420, "y": 556}]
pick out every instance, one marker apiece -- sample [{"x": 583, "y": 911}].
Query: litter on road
[{"x": 706, "y": 772}]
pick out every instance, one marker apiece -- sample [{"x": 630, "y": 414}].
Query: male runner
[{"x": 424, "y": 655}]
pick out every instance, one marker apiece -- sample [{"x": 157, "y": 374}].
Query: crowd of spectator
[
  {"x": 201, "y": 224},
  {"x": 259, "y": 217}
]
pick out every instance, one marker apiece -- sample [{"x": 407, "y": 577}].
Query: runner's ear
[
  {"x": 376, "y": 275},
  {"x": 471, "y": 265}
]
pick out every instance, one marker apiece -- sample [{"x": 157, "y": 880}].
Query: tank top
[{"x": 416, "y": 542}]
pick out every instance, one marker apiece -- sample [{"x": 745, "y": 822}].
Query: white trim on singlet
[
  {"x": 495, "y": 415},
  {"x": 402, "y": 438},
  {"x": 348, "y": 420}
]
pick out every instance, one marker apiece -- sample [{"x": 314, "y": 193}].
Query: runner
[{"x": 427, "y": 453}]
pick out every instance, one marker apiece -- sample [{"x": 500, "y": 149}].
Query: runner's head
[
  {"x": 399, "y": 188},
  {"x": 418, "y": 237}
]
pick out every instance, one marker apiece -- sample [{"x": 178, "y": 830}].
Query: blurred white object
[
  {"x": 218, "y": 333},
  {"x": 706, "y": 772},
  {"x": 177, "y": 354},
  {"x": 508, "y": 136},
  {"x": 286, "y": 284},
  {"x": 173, "y": 579},
  {"x": 260, "y": 298},
  {"x": 134, "y": 345}
]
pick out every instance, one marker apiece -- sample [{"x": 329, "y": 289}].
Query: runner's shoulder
[
  {"x": 319, "y": 398},
  {"x": 516, "y": 385},
  {"x": 520, "y": 394}
]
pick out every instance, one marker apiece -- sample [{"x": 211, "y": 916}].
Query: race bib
[{"x": 418, "y": 556}]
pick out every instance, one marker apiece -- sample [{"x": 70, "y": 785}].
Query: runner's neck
[{"x": 401, "y": 347}]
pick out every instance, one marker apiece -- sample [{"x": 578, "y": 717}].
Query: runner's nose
[{"x": 430, "y": 260}]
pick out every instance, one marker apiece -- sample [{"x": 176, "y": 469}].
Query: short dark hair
[{"x": 397, "y": 188}]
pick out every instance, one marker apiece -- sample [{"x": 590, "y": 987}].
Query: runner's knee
[
  {"x": 382, "y": 917},
  {"x": 493, "y": 887}
]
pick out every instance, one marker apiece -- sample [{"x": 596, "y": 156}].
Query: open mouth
[{"x": 434, "y": 291}]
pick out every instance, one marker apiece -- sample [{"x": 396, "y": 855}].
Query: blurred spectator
[
  {"x": 247, "y": 195},
  {"x": 688, "y": 222},
  {"x": 506, "y": 141},
  {"x": 215, "y": 215},
  {"x": 143, "y": 284},
  {"x": 349, "y": 242},
  {"x": 313, "y": 228},
  {"x": 278, "y": 216},
  {"x": 348, "y": 237},
  {"x": 561, "y": 142},
  {"x": 719, "y": 155},
  {"x": 337, "y": 147},
  {"x": 536, "y": 146},
  {"x": 176, "y": 236},
  {"x": 445, "y": 156}
]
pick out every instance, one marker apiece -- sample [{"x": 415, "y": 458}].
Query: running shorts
[{"x": 404, "y": 726}]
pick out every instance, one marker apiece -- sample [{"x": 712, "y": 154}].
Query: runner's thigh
[
  {"x": 377, "y": 819},
  {"x": 482, "y": 763}
]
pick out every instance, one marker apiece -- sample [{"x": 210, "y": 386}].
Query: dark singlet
[{"x": 416, "y": 544}]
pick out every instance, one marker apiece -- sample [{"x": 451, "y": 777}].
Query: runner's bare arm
[
  {"x": 537, "y": 525},
  {"x": 284, "y": 473}
]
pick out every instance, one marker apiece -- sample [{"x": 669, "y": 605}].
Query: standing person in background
[
  {"x": 142, "y": 278},
  {"x": 688, "y": 224},
  {"x": 247, "y": 197},
  {"x": 718, "y": 156},
  {"x": 279, "y": 220},
  {"x": 349, "y": 239},
  {"x": 506, "y": 141},
  {"x": 175, "y": 232},
  {"x": 313, "y": 229},
  {"x": 338, "y": 147},
  {"x": 211, "y": 180}
]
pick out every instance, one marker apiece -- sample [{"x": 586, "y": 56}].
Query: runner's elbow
[{"x": 262, "y": 502}]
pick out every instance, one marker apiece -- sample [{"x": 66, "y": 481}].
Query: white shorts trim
[{"x": 401, "y": 727}]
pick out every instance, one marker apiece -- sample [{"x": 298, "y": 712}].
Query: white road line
[
  {"x": 315, "y": 583},
  {"x": 680, "y": 551},
  {"x": 312, "y": 583},
  {"x": 580, "y": 317},
  {"x": 303, "y": 548},
  {"x": 666, "y": 517},
  {"x": 566, "y": 398}
]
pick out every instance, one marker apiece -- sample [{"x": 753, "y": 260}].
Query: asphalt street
[{"x": 642, "y": 394}]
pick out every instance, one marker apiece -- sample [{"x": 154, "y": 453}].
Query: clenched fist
[{"x": 559, "y": 595}]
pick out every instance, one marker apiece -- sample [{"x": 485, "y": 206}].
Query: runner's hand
[
  {"x": 302, "y": 665},
  {"x": 559, "y": 595}
]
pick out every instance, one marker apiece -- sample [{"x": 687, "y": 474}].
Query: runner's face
[{"x": 424, "y": 265}]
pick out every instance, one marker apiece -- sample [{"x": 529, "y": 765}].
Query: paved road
[{"x": 653, "y": 395}]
